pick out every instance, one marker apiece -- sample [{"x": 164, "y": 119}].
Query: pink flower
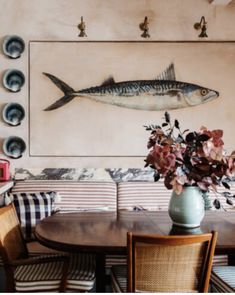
[
  {"x": 211, "y": 151},
  {"x": 162, "y": 158},
  {"x": 189, "y": 157}
]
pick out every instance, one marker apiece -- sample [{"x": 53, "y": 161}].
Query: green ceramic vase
[{"x": 187, "y": 209}]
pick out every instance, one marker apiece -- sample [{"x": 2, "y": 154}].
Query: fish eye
[{"x": 204, "y": 91}]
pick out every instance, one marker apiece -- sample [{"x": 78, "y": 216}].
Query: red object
[{"x": 4, "y": 170}]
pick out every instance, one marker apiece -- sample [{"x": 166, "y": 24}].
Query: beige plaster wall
[{"x": 110, "y": 20}]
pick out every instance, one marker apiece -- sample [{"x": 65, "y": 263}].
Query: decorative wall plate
[
  {"x": 13, "y": 114},
  {"x": 13, "y": 46},
  {"x": 13, "y": 80},
  {"x": 14, "y": 147}
]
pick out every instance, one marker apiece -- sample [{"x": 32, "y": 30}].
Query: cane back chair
[
  {"x": 38, "y": 274},
  {"x": 166, "y": 264}
]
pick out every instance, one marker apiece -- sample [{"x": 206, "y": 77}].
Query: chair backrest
[
  {"x": 12, "y": 244},
  {"x": 170, "y": 263}
]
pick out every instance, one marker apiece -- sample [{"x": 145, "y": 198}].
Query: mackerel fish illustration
[{"x": 163, "y": 93}]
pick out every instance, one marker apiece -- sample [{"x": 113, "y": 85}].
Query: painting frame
[{"x": 31, "y": 152}]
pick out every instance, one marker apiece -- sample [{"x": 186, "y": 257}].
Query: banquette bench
[{"x": 99, "y": 195}]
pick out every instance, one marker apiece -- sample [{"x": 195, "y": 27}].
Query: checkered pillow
[{"x": 31, "y": 208}]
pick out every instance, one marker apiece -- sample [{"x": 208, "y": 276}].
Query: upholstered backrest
[
  {"x": 151, "y": 196},
  {"x": 12, "y": 245},
  {"x": 74, "y": 195}
]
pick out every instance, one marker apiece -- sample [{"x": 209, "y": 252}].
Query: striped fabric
[
  {"x": 222, "y": 199},
  {"x": 75, "y": 194},
  {"x": 38, "y": 277},
  {"x": 119, "y": 278},
  {"x": 151, "y": 196},
  {"x": 31, "y": 208},
  {"x": 47, "y": 276},
  {"x": 220, "y": 260},
  {"x": 223, "y": 279},
  {"x": 82, "y": 272}
]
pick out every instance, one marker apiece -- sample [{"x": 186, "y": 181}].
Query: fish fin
[
  {"x": 108, "y": 81},
  {"x": 60, "y": 102},
  {"x": 60, "y": 84},
  {"x": 168, "y": 74}
]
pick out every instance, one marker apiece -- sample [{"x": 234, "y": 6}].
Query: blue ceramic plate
[
  {"x": 13, "y": 114},
  {"x": 13, "y": 46},
  {"x": 13, "y": 80},
  {"x": 14, "y": 147}
]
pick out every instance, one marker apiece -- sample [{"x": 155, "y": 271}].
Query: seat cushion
[
  {"x": 81, "y": 274},
  {"x": 47, "y": 276},
  {"x": 223, "y": 278},
  {"x": 38, "y": 277},
  {"x": 119, "y": 278}
]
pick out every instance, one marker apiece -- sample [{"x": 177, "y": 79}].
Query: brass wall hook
[
  {"x": 82, "y": 27},
  {"x": 202, "y": 26},
  {"x": 144, "y": 26}
]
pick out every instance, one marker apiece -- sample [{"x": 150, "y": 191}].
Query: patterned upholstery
[
  {"x": 151, "y": 196},
  {"x": 119, "y": 278},
  {"x": 223, "y": 279},
  {"x": 31, "y": 208},
  {"x": 74, "y": 195},
  {"x": 223, "y": 203},
  {"x": 46, "y": 276}
]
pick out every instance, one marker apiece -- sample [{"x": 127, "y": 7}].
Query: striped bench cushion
[
  {"x": 222, "y": 199},
  {"x": 151, "y": 196},
  {"x": 74, "y": 194},
  {"x": 47, "y": 276},
  {"x": 220, "y": 260},
  {"x": 223, "y": 279}
]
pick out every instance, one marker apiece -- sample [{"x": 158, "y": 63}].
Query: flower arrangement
[{"x": 190, "y": 158}]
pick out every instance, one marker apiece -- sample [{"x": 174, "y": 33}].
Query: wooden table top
[{"x": 106, "y": 232}]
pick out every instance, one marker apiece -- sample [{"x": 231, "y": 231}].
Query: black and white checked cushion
[
  {"x": 31, "y": 208},
  {"x": 47, "y": 276},
  {"x": 223, "y": 279}
]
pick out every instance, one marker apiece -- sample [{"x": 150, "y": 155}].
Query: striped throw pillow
[{"x": 31, "y": 208}]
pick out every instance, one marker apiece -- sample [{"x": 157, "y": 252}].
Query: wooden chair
[
  {"x": 166, "y": 264},
  {"x": 38, "y": 274},
  {"x": 223, "y": 279}
]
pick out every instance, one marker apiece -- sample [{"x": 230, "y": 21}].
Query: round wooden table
[{"x": 105, "y": 233}]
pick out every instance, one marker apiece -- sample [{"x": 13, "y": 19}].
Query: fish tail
[{"x": 68, "y": 93}]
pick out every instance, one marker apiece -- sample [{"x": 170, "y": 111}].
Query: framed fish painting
[{"x": 91, "y": 99}]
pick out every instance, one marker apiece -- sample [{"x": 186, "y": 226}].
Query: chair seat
[
  {"x": 223, "y": 278},
  {"x": 47, "y": 276},
  {"x": 81, "y": 274},
  {"x": 119, "y": 278}
]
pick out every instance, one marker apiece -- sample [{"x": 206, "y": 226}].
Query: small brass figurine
[
  {"x": 82, "y": 27},
  {"x": 202, "y": 26},
  {"x": 145, "y": 28}
]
